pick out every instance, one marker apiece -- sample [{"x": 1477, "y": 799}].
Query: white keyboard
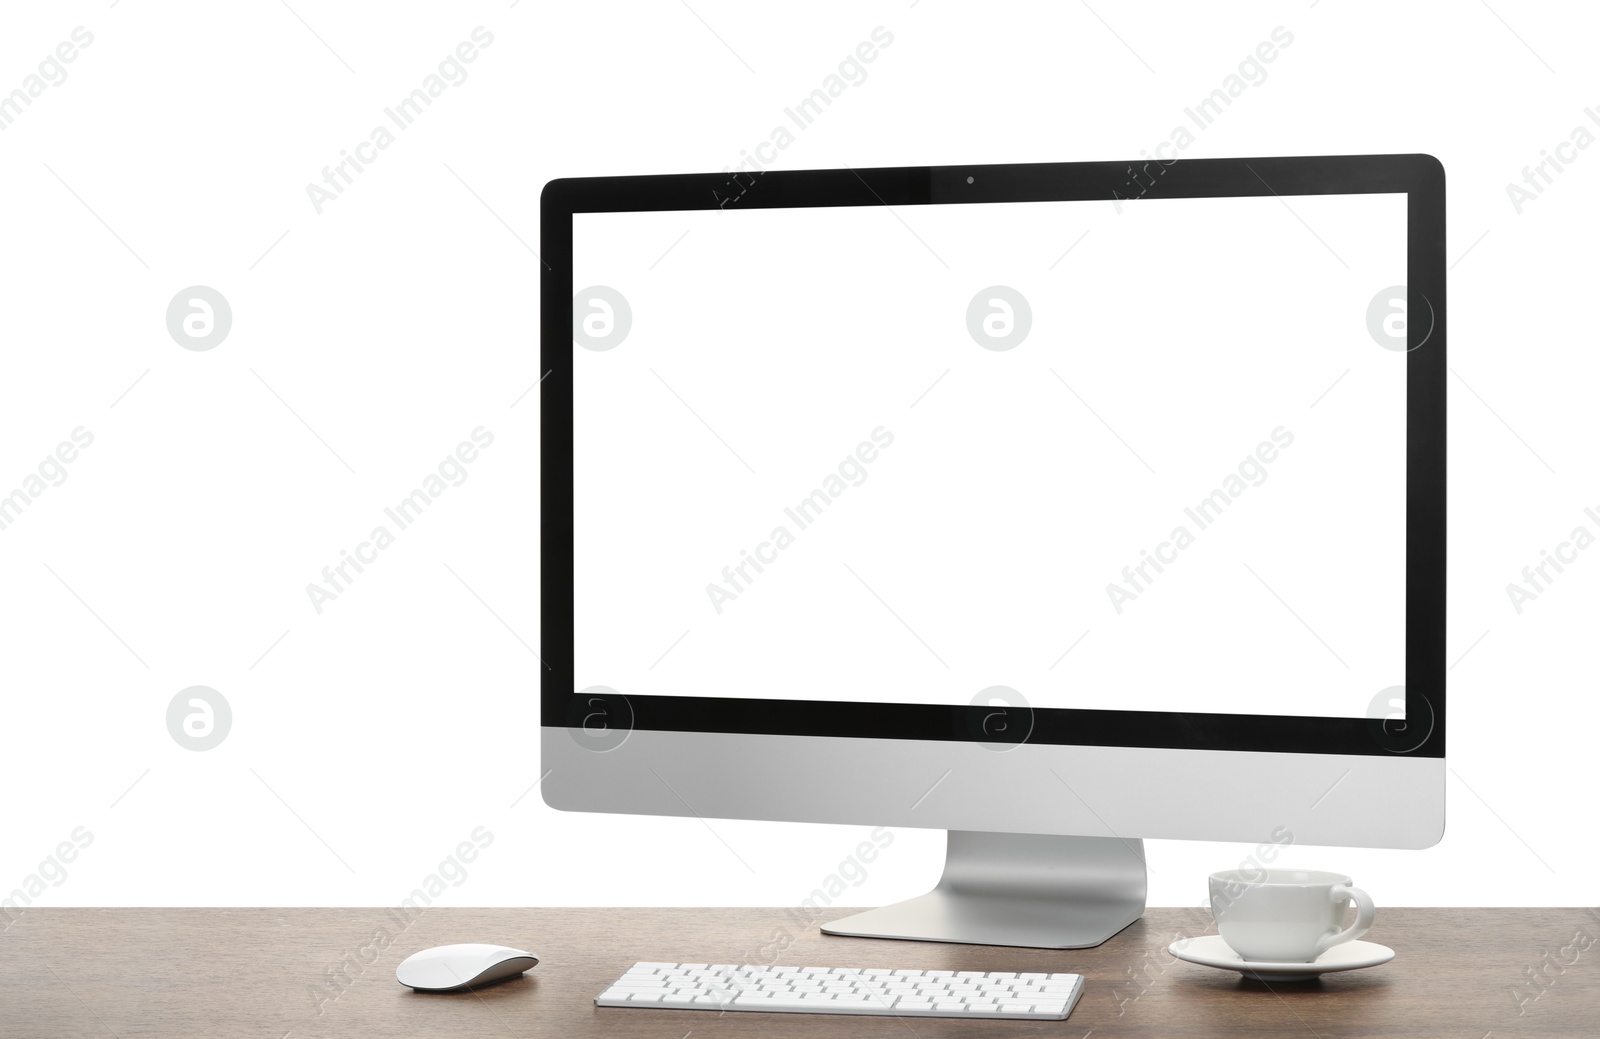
[{"x": 845, "y": 990}]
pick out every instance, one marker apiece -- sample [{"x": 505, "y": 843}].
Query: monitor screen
[{"x": 1135, "y": 455}]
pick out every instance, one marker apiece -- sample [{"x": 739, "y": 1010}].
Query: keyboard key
[{"x": 780, "y": 1003}]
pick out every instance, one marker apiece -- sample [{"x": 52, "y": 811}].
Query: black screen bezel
[{"x": 1420, "y": 177}]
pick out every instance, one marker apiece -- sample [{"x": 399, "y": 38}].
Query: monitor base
[{"x": 1036, "y": 891}]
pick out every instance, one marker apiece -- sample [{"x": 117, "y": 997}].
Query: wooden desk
[{"x": 264, "y": 974}]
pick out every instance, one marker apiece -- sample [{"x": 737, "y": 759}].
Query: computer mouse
[{"x": 452, "y": 968}]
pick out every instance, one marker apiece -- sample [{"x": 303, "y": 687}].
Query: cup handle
[{"x": 1365, "y": 912}]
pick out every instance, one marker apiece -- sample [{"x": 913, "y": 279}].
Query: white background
[
  {"x": 980, "y": 544},
  {"x": 371, "y": 739}
]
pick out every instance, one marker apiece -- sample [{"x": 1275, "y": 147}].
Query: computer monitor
[{"x": 1057, "y": 506}]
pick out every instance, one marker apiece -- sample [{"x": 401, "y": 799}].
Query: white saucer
[{"x": 1211, "y": 951}]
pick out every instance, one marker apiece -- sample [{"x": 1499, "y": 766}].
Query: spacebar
[{"x": 786, "y": 1004}]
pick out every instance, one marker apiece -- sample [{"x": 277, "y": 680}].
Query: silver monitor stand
[{"x": 1037, "y": 891}]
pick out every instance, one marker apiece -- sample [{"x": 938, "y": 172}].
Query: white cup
[{"x": 1286, "y": 915}]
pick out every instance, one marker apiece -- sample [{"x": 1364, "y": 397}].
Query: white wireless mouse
[{"x": 451, "y": 968}]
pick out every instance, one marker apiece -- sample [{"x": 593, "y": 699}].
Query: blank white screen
[{"x": 1168, "y": 342}]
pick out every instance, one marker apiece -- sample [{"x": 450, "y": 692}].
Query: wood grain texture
[{"x": 264, "y": 974}]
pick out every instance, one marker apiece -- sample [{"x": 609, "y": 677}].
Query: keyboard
[{"x": 845, "y": 990}]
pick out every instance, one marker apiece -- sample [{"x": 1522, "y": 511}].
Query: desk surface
[{"x": 267, "y": 973}]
